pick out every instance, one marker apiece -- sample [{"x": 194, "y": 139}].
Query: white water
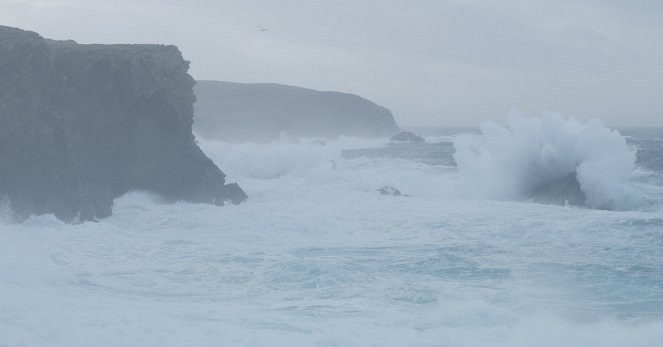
[
  {"x": 317, "y": 257},
  {"x": 506, "y": 162}
]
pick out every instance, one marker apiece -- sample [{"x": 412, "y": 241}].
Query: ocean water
[{"x": 318, "y": 257}]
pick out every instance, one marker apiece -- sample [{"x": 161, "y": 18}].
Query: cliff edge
[
  {"x": 80, "y": 125},
  {"x": 264, "y": 111}
]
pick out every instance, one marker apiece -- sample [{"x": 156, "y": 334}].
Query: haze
[{"x": 435, "y": 63}]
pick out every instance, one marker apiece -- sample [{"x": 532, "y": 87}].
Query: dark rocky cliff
[
  {"x": 83, "y": 124},
  {"x": 263, "y": 111}
]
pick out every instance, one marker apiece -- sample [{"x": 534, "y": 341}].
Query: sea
[{"x": 542, "y": 231}]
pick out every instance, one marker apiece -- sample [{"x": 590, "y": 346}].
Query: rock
[
  {"x": 407, "y": 136},
  {"x": 265, "y": 112},
  {"x": 80, "y": 125},
  {"x": 389, "y": 190},
  {"x": 319, "y": 142},
  {"x": 565, "y": 190}
]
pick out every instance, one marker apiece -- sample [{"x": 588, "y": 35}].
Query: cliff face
[
  {"x": 83, "y": 124},
  {"x": 262, "y": 112}
]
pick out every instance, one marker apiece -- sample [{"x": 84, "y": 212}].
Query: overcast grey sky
[{"x": 432, "y": 62}]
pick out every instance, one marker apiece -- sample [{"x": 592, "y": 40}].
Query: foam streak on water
[{"x": 317, "y": 257}]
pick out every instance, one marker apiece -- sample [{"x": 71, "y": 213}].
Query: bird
[{"x": 262, "y": 29}]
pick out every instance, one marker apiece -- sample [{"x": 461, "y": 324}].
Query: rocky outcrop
[
  {"x": 389, "y": 190},
  {"x": 83, "y": 124},
  {"x": 407, "y": 136},
  {"x": 265, "y": 112}
]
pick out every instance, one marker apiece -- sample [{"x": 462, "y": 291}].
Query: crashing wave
[{"x": 549, "y": 159}]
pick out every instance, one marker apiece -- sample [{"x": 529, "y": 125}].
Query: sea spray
[
  {"x": 549, "y": 159},
  {"x": 317, "y": 257},
  {"x": 6, "y": 214}
]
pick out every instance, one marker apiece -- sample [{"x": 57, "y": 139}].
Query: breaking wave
[{"x": 549, "y": 159}]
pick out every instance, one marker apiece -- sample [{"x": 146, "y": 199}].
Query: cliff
[
  {"x": 81, "y": 125},
  {"x": 263, "y": 112}
]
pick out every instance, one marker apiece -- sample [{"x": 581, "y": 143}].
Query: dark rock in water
[
  {"x": 389, "y": 190},
  {"x": 81, "y": 125},
  {"x": 563, "y": 191},
  {"x": 264, "y": 112},
  {"x": 318, "y": 142},
  {"x": 407, "y": 136}
]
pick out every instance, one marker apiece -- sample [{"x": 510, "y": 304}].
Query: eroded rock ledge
[{"x": 80, "y": 125}]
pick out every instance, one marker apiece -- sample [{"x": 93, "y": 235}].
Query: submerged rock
[
  {"x": 81, "y": 125},
  {"x": 407, "y": 136},
  {"x": 264, "y": 112}
]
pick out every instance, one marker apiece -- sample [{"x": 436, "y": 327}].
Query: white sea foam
[
  {"x": 317, "y": 257},
  {"x": 530, "y": 154}
]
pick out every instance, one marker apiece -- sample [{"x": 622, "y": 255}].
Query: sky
[{"x": 432, "y": 62}]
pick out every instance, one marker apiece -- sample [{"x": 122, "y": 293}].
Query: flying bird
[{"x": 262, "y": 29}]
